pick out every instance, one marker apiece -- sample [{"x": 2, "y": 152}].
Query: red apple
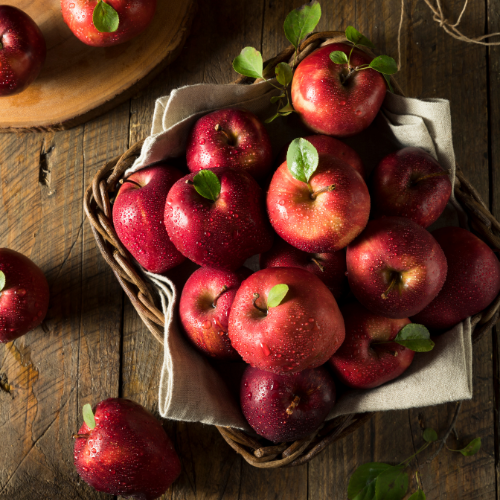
[
  {"x": 395, "y": 267},
  {"x": 138, "y": 213},
  {"x": 204, "y": 307},
  {"x": 230, "y": 138},
  {"x": 22, "y": 50},
  {"x": 222, "y": 231},
  {"x": 410, "y": 183},
  {"x": 323, "y": 215},
  {"x": 332, "y": 100},
  {"x": 302, "y": 332},
  {"x": 472, "y": 283},
  {"x": 330, "y": 145},
  {"x": 132, "y": 17},
  {"x": 127, "y": 452},
  {"x": 330, "y": 268},
  {"x": 286, "y": 407},
  {"x": 362, "y": 362},
  {"x": 24, "y": 295}
]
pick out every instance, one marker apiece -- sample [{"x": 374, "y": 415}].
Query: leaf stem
[{"x": 448, "y": 432}]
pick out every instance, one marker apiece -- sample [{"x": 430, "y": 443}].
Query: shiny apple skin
[
  {"x": 395, "y": 248},
  {"x": 24, "y": 300},
  {"x": 473, "y": 280},
  {"x": 205, "y": 325},
  {"x": 302, "y": 332},
  {"x": 135, "y": 16},
  {"x": 326, "y": 105},
  {"x": 127, "y": 453},
  {"x": 220, "y": 234},
  {"x": 265, "y": 397},
  {"x": 396, "y": 188},
  {"x": 23, "y": 53},
  {"x": 230, "y": 138},
  {"x": 332, "y": 220},
  {"x": 333, "y": 265},
  {"x": 138, "y": 218},
  {"x": 360, "y": 362},
  {"x": 329, "y": 145}
]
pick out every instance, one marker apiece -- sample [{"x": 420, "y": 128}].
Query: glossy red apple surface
[
  {"x": 302, "y": 332},
  {"x": 329, "y": 145},
  {"x": 472, "y": 283},
  {"x": 395, "y": 267},
  {"x": 138, "y": 213},
  {"x": 127, "y": 452},
  {"x": 330, "y": 268},
  {"x": 286, "y": 407},
  {"x": 311, "y": 216},
  {"x": 410, "y": 183},
  {"x": 230, "y": 138},
  {"x": 221, "y": 233},
  {"x": 22, "y": 50},
  {"x": 204, "y": 307},
  {"x": 331, "y": 102},
  {"x": 367, "y": 358},
  {"x": 24, "y": 297},
  {"x": 134, "y": 17}
]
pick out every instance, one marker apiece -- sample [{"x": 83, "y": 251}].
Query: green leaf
[
  {"x": 392, "y": 484},
  {"x": 2, "y": 280},
  {"x": 362, "y": 483},
  {"x": 384, "y": 64},
  {"x": 249, "y": 63},
  {"x": 276, "y": 295},
  {"x": 430, "y": 435},
  {"x": 471, "y": 449},
  {"x": 105, "y": 18},
  {"x": 277, "y": 98},
  {"x": 418, "y": 495},
  {"x": 355, "y": 37},
  {"x": 388, "y": 81},
  {"x": 300, "y": 22},
  {"x": 339, "y": 57},
  {"x": 207, "y": 184},
  {"x": 88, "y": 416},
  {"x": 302, "y": 159},
  {"x": 415, "y": 337},
  {"x": 286, "y": 110},
  {"x": 284, "y": 73},
  {"x": 271, "y": 118}
]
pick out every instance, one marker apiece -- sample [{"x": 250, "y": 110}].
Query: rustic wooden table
[{"x": 93, "y": 345}]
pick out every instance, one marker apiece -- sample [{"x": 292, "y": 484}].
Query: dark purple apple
[
  {"x": 138, "y": 213},
  {"x": 367, "y": 358},
  {"x": 126, "y": 452},
  {"x": 286, "y": 407},
  {"x": 330, "y": 268},
  {"x": 22, "y": 50},
  {"x": 395, "y": 267},
  {"x": 230, "y": 138},
  {"x": 204, "y": 307},
  {"x": 472, "y": 283},
  {"x": 410, "y": 183}
]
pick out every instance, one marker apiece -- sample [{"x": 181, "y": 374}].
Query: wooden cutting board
[{"x": 79, "y": 82}]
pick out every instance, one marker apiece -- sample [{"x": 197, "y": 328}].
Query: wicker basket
[{"x": 98, "y": 209}]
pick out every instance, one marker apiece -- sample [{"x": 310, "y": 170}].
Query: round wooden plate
[{"x": 79, "y": 82}]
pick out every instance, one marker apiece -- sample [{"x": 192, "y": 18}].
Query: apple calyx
[
  {"x": 325, "y": 189},
  {"x": 207, "y": 184},
  {"x": 105, "y": 18},
  {"x": 223, "y": 291},
  {"x": 293, "y": 405}
]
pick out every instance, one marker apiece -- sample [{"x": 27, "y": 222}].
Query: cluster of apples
[{"x": 97, "y": 23}]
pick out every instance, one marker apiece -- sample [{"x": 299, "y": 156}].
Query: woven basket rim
[{"x": 97, "y": 208}]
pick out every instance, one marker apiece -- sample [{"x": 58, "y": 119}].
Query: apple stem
[
  {"x": 224, "y": 290},
  {"x": 77, "y": 436},
  {"x": 430, "y": 176},
  {"x": 293, "y": 405},
  {"x": 132, "y": 182},
  {"x": 321, "y": 268},
  {"x": 326, "y": 189},
  {"x": 391, "y": 286},
  {"x": 255, "y": 297},
  {"x": 1, "y": 45},
  {"x": 229, "y": 139}
]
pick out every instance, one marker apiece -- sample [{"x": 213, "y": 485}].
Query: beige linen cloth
[{"x": 191, "y": 388}]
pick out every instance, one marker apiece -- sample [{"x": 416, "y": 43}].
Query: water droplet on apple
[{"x": 207, "y": 325}]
